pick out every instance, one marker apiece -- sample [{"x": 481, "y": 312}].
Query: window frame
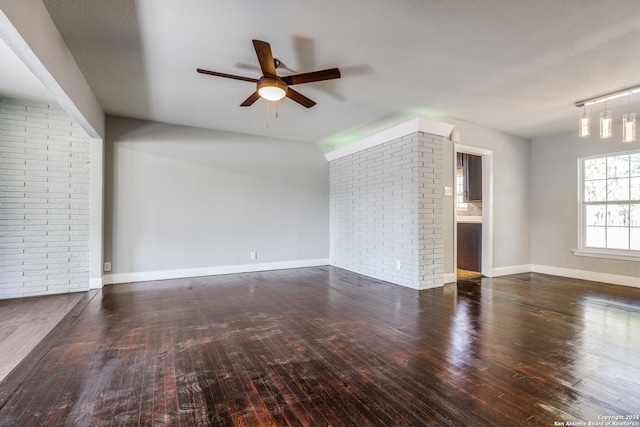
[{"x": 583, "y": 250}]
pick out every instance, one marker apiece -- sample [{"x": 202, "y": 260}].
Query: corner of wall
[{"x": 386, "y": 209}]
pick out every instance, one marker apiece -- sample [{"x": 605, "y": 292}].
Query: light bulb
[
  {"x": 606, "y": 124},
  {"x": 629, "y": 127},
  {"x": 272, "y": 89},
  {"x": 584, "y": 124}
]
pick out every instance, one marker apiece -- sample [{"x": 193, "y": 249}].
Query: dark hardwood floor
[
  {"x": 325, "y": 347},
  {"x": 24, "y": 322}
]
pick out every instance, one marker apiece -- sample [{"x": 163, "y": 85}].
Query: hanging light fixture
[
  {"x": 584, "y": 124},
  {"x": 629, "y": 124},
  {"x": 608, "y": 96},
  {"x": 606, "y": 123},
  {"x": 629, "y": 127},
  {"x": 606, "y": 119}
]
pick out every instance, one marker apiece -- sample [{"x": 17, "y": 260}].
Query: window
[{"x": 610, "y": 204}]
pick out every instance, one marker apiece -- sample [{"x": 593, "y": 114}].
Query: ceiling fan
[{"x": 272, "y": 87}]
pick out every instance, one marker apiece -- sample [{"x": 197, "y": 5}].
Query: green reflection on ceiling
[{"x": 348, "y": 136}]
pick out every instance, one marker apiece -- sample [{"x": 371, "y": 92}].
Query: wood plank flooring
[
  {"x": 467, "y": 274},
  {"x": 325, "y": 347},
  {"x": 24, "y": 322}
]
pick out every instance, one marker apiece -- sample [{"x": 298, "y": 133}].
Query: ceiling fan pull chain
[{"x": 267, "y": 115}]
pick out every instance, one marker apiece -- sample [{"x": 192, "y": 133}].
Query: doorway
[{"x": 473, "y": 212}]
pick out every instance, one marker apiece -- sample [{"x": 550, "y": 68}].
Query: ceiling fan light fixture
[{"x": 272, "y": 89}]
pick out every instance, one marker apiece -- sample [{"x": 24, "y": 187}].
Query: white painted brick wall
[
  {"x": 44, "y": 201},
  {"x": 386, "y": 206}
]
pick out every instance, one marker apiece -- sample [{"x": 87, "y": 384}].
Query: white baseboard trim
[
  {"x": 450, "y": 277},
  {"x": 146, "y": 276},
  {"x": 615, "y": 279},
  {"x": 514, "y": 269},
  {"x": 95, "y": 283}
]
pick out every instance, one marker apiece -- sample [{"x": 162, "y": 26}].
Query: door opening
[{"x": 472, "y": 235}]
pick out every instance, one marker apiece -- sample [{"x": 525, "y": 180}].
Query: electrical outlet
[
  {"x": 107, "y": 266},
  {"x": 254, "y": 255},
  {"x": 448, "y": 191},
  {"x": 398, "y": 265}
]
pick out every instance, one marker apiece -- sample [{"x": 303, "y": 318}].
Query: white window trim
[
  {"x": 624, "y": 255},
  {"x": 584, "y": 251}
]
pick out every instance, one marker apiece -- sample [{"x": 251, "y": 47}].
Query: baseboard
[
  {"x": 614, "y": 279},
  {"x": 146, "y": 276},
  {"x": 450, "y": 277},
  {"x": 593, "y": 276},
  {"x": 514, "y": 269}
]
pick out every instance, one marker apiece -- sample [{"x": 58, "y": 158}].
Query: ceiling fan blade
[
  {"x": 250, "y": 100},
  {"x": 229, "y": 76},
  {"x": 265, "y": 57},
  {"x": 314, "y": 76},
  {"x": 300, "y": 98}
]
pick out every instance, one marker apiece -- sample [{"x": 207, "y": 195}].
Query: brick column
[
  {"x": 386, "y": 211},
  {"x": 44, "y": 201}
]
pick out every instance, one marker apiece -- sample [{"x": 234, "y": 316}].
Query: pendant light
[
  {"x": 629, "y": 124},
  {"x": 585, "y": 124},
  {"x": 606, "y": 118},
  {"x": 606, "y": 123}
]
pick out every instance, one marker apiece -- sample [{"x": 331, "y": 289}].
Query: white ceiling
[
  {"x": 17, "y": 82},
  {"x": 515, "y": 66}
]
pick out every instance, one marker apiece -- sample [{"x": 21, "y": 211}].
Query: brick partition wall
[
  {"x": 386, "y": 207},
  {"x": 44, "y": 201}
]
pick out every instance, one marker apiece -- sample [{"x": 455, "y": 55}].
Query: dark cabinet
[
  {"x": 472, "y": 176},
  {"x": 470, "y": 246}
]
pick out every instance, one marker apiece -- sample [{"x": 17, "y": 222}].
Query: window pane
[
  {"x": 617, "y": 238},
  {"x": 618, "y": 189},
  {"x": 635, "y": 239},
  {"x": 595, "y": 169},
  {"x": 635, "y": 216},
  {"x": 635, "y": 164},
  {"x": 610, "y": 211},
  {"x": 635, "y": 188},
  {"x": 618, "y": 215},
  {"x": 595, "y": 237},
  {"x": 596, "y": 215},
  {"x": 595, "y": 191},
  {"x": 618, "y": 167}
]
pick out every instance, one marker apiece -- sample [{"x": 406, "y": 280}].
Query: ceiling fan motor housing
[{"x": 272, "y": 88}]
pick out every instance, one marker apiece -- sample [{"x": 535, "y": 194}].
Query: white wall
[
  {"x": 184, "y": 201},
  {"x": 386, "y": 207},
  {"x": 45, "y": 203},
  {"x": 554, "y": 205},
  {"x": 511, "y": 196},
  {"x": 27, "y": 28}
]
